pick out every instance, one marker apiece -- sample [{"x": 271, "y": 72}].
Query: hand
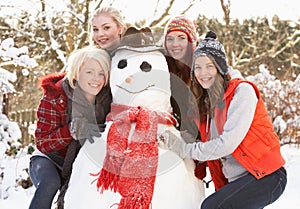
[
  {"x": 170, "y": 141},
  {"x": 81, "y": 130}
]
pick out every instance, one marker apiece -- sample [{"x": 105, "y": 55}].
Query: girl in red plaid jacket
[{"x": 73, "y": 108}]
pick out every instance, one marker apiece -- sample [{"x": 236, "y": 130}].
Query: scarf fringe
[
  {"x": 106, "y": 180},
  {"x": 109, "y": 175},
  {"x": 135, "y": 202}
]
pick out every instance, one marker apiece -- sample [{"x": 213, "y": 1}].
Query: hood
[{"x": 52, "y": 83}]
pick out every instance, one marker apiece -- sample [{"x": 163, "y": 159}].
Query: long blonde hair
[{"x": 114, "y": 13}]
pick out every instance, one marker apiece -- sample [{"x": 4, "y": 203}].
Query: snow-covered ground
[{"x": 13, "y": 196}]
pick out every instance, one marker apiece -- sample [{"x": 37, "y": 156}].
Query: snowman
[{"x": 125, "y": 168}]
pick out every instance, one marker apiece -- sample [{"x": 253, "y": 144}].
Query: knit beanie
[
  {"x": 183, "y": 24},
  {"x": 214, "y": 49}
]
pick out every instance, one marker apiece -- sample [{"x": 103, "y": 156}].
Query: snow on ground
[{"x": 13, "y": 196}]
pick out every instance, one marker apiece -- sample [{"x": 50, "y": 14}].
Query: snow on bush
[
  {"x": 281, "y": 98},
  {"x": 10, "y": 132}
]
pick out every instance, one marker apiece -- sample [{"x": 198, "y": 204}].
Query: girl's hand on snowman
[{"x": 168, "y": 140}]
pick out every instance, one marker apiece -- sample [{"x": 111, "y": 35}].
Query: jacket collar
[{"x": 52, "y": 83}]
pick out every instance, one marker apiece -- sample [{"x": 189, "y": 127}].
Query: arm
[
  {"x": 239, "y": 118},
  {"x": 52, "y": 132}
]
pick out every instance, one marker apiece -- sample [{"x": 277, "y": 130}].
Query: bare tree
[
  {"x": 228, "y": 38},
  {"x": 52, "y": 35}
]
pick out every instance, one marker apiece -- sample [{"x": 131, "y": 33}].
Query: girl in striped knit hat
[{"x": 180, "y": 40}]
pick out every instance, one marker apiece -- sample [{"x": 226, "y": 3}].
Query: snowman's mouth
[{"x": 136, "y": 92}]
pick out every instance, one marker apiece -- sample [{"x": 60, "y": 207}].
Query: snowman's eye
[
  {"x": 145, "y": 66},
  {"x": 122, "y": 64}
]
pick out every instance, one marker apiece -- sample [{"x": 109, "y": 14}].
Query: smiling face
[
  {"x": 177, "y": 45},
  {"x": 91, "y": 78},
  {"x": 205, "y": 71},
  {"x": 106, "y": 32},
  {"x": 140, "y": 79}
]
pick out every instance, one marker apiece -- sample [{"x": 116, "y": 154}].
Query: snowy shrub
[
  {"x": 10, "y": 132},
  {"x": 281, "y": 98}
]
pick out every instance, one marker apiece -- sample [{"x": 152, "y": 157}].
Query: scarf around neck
[{"x": 130, "y": 166}]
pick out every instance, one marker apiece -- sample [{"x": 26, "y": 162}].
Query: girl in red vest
[{"x": 238, "y": 139}]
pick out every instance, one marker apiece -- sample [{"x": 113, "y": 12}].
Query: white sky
[
  {"x": 135, "y": 10},
  {"x": 288, "y": 9}
]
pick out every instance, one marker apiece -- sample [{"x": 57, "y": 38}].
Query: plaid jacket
[{"x": 52, "y": 133}]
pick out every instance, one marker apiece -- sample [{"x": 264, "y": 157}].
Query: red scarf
[{"x": 130, "y": 167}]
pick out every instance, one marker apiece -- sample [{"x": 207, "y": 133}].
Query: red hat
[{"x": 183, "y": 24}]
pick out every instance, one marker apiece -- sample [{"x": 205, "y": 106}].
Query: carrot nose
[{"x": 128, "y": 79}]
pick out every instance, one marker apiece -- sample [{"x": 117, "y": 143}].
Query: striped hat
[
  {"x": 183, "y": 24},
  {"x": 214, "y": 49}
]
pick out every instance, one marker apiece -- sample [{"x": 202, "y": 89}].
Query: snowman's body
[{"x": 175, "y": 185}]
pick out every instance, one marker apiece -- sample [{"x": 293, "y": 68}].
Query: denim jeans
[
  {"x": 248, "y": 193},
  {"x": 46, "y": 178}
]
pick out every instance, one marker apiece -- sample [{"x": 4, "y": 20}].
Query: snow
[
  {"x": 13, "y": 196},
  {"x": 151, "y": 92},
  {"x": 19, "y": 55},
  {"x": 13, "y": 169}
]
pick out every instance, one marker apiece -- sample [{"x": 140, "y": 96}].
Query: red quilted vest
[{"x": 259, "y": 152}]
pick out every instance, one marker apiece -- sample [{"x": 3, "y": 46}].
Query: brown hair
[{"x": 208, "y": 99}]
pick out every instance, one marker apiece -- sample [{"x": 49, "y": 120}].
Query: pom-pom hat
[
  {"x": 214, "y": 49},
  {"x": 183, "y": 24}
]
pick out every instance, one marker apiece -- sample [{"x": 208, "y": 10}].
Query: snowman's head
[{"x": 139, "y": 73}]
